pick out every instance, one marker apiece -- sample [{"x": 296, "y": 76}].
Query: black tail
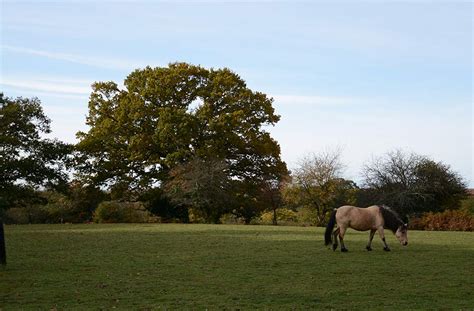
[{"x": 329, "y": 228}]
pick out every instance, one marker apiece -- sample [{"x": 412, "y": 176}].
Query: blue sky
[{"x": 366, "y": 77}]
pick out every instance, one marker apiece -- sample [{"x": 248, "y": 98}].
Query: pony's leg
[
  {"x": 382, "y": 236},
  {"x": 371, "y": 236},
  {"x": 335, "y": 234},
  {"x": 341, "y": 238}
]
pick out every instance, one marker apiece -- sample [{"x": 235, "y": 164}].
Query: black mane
[{"x": 391, "y": 219}]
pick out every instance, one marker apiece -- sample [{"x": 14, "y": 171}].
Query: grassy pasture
[{"x": 174, "y": 266}]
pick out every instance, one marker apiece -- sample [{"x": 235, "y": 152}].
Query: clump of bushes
[
  {"x": 449, "y": 220},
  {"x": 26, "y": 215},
  {"x": 123, "y": 212},
  {"x": 284, "y": 217},
  {"x": 307, "y": 216},
  {"x": 231, "y": 219},
  {"x": 44, "y": 214},
  {"x": 50, "y": 207}
]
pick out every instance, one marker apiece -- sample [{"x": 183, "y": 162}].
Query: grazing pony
[{"x": 373, "y": 218}]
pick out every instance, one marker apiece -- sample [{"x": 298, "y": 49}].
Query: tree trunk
[
  {"x": 3, "y": 253},
  {"x": 274, "y": 220}
]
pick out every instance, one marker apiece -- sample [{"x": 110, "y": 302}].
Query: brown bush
[{"x": 449, "y": 220}]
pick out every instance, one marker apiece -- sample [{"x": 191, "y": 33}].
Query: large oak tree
[{"x": 166, "y": 116}]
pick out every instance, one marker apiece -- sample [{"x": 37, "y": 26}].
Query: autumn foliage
[{"x": 449, "y": 220}]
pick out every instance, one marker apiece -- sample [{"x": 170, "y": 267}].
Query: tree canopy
[
  {"x": 165, "y": 117},
  {"x": 28, "y": 161}
]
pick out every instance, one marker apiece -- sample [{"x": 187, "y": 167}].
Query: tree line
[{"x": 186, "y": 143}]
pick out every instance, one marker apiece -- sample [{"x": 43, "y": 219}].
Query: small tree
[
  {"x": 272, "y": 195},
  {"x": 412, "y": 183},
  {"x": 442, "y": 188},
  {"x": 317, "y": 184},
  {"x": 203, "y": 185}
]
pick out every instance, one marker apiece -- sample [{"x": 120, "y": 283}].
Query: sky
[{"x": 365, "y": 78}]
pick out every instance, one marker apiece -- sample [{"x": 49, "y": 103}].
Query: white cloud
[
  {"x": 109, "y": 63},
  {"x": 50, "y": 87}
]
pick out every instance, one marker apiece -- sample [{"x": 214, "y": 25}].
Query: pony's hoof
[
  {"x": 368, "y": 248},
  {"x": 334, "y": 247},
  {"x": 386, "y": 249},
  {"x": 344, "y": 250}
]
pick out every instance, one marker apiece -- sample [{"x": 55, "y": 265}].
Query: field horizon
[{"x": 176, "y": 266}]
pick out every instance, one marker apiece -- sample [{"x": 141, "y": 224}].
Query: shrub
[
  {"x": 450, "y": 220},
  {"x": 59, "y": 208},
  {"x": 284, "y": 217},
  {"x": 231, "y": 219},
  {"x": 26, "y": 215},
  {"x": 195, "y": 217},
  {"x": 64, "y": 213},
  {"x": 123, "y": 212},
  {"x": 16, "y": 215},
  {"x": 82, "y": 202},
  {"x": 468, "y": 205},
  {"x": 49, "y": 213},
  {"x": 159, "y": 205},
  {"x": 307, "y": 216}
]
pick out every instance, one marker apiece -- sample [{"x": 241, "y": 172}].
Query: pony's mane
[{"x": 391, "y": 219}]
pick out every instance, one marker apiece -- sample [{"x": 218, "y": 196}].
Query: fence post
[{"x": 3, "y": 253}]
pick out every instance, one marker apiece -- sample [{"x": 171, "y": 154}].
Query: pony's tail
[{"x": 330, "y": 227}]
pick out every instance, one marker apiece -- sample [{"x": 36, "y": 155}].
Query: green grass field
[{"x": 174, "y": 266}]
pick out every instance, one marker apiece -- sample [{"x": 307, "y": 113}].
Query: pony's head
[
  {"x": 402, "y": 234},
  {"x": 395, "y": 223}
]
